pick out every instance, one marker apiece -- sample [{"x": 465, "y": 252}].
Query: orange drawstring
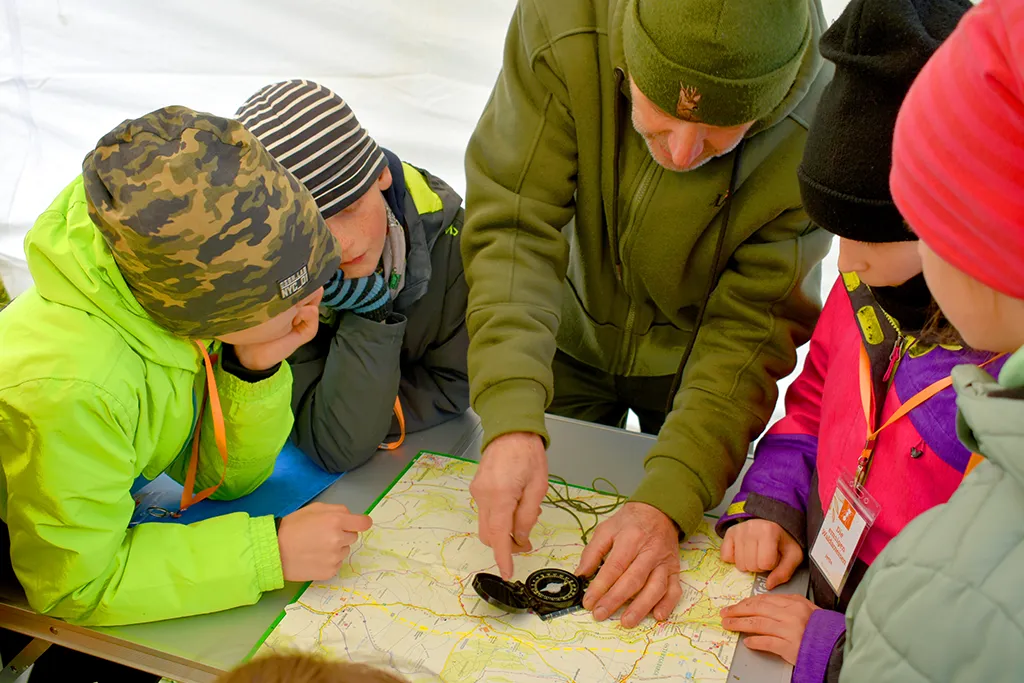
[
  {"x": 219, "y": 435},
  {"x": 401, "y": 426}
]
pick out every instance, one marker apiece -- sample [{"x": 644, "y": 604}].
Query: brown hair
[
  {"x": 939, "y": 331},
  {"x": 304, "y": 668}
]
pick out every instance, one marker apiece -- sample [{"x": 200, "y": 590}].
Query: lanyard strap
[
  {"x": 219, "y": 435},
  {"x": 386, "y": 446},
  {"x": 867, "y": 401},
  {"x": 976, "y": 459}
]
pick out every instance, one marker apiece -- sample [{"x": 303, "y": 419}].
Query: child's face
[
  {"x": 278, "y": 327},
  {"x": 987, "y": 320},
  {"x": 361, "y": 229},
  {"x": 885, "y": 264}
]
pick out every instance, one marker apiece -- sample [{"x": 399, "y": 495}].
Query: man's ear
[{"x": 384, "y": 180}]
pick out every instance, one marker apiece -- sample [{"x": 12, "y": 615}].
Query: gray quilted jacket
[{"x": 944, "y": 602}]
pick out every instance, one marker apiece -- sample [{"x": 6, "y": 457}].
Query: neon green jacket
[{"x": 93, "y": 394}]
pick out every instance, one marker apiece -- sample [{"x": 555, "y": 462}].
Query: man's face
[
  {"x": 679, "y": 145},
  {"x": 361, "y": 229}
]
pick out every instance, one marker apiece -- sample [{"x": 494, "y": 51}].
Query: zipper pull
[
  {"x": 894, "y": 358},
  {"x": 861, "y": 475}
]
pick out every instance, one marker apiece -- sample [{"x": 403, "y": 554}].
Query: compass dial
[{"x": 553, "y": 586}]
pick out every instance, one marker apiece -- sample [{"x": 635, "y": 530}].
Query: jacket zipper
[
  {"x": 613, "y": 219},
  {"x": 626, "y": 351},
  {"x": 712, "y": 277},
  {"x": 899, "y": 350},
  {"x": 894, "y": 359}
]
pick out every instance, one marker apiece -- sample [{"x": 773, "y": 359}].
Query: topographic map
[{"x": 405, "y": 600}]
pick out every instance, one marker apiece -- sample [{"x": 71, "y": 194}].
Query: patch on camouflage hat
[
  {"x": 211, "y": 234},
  {"x": 294, "y": 283}
]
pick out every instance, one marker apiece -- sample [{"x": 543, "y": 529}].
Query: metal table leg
[{"x": 23, "y": 660}]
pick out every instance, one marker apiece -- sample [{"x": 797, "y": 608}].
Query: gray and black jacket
[{"x": 347, "y": 378}]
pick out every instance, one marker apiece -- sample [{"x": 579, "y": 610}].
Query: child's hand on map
[
  {"x": 315, "y": 541},
  {"x": 774, "y": 623},
  {"x": 757, "y": 545}
]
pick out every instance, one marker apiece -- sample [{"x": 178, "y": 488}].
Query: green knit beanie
[{"x": 719, "y": 62}]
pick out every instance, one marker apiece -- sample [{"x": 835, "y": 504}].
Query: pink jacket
[{"x": 918, "y": 462}]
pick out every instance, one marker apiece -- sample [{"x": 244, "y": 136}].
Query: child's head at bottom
[
  {"x": 305, "y": 668},
  {"x": 958, "y": 175}
]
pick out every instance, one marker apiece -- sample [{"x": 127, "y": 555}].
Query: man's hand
[
  {"x": 508, "y": 488},
  {"x": 775, "y": 623},
  {"x": 758, "y": 545},
  {"x": 315, "y": 540},
  {"x": 642, "y": 545},
  {"x": 266, "y": 355}
]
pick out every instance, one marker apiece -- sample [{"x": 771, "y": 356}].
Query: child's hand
[
  {"x": 268, "y": 354},
  {"x": 775, "y": 623},
  {"x": 315, "y": 541},
  {"x": 758, "y": 545}
]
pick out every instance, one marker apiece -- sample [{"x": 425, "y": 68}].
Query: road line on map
[
  {"x": 506, "y": 636},
  {"x": 636, "y": 663}
]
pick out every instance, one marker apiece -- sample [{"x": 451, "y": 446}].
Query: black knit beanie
[{"x": 878, "y": 47}]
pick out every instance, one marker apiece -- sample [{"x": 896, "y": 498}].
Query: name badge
[{"x": 847, "y": 521}]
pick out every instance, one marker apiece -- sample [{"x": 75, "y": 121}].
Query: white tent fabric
[{"x": 416, "y": 72}]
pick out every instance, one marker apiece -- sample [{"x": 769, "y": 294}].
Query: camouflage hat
[{"x": 211, "y": 234}]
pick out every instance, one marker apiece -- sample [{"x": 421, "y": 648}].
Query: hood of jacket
[
  {"x": 71, "y": 265},
  {"x": 991, "y": 420},
  {"x": 426, "y": 206}
]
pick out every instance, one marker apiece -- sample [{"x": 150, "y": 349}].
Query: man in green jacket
[
  {"x": 180, "y": 268},
  {"x": 943, "y": 602},
  {"x": 635, "y": 240}
]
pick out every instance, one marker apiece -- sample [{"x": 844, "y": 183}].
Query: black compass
[{"x": 548, "y": 593}]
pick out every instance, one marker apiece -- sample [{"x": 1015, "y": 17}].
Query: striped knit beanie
[
  {"x": 315, "y": 135},
  {"x": 958, "y": 153}
]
